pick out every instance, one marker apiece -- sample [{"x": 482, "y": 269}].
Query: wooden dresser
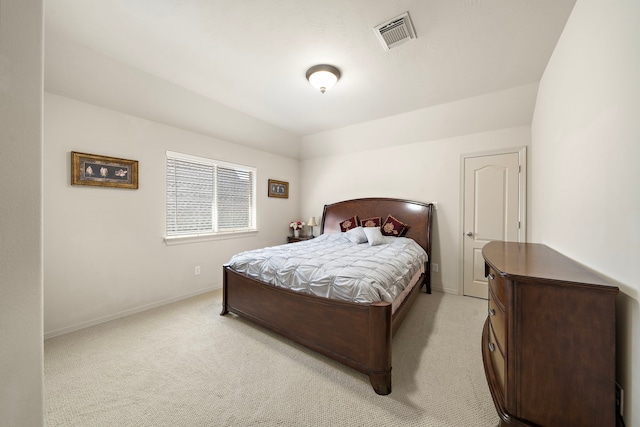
[{"x": 548, "y": 344}]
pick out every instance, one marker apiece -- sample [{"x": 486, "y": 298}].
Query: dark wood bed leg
[
  {"x": 427, "y": 278},
  {"x": 380, "y": 349},
  {"x": 427, "y": 285},
  {"x": 381, "y": 382},
  {"x": 224, "y": 291}
]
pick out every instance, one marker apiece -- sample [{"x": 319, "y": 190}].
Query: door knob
[{"x": 469, "y": 233}]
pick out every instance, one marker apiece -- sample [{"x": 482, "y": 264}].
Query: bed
[{"x": 355, "y": 334}]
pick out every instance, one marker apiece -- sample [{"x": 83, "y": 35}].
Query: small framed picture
[
  {"x": 103, "y": 171},
  {"x": 278, "y": 189}
]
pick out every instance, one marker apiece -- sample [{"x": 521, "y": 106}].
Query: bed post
[
  {"x": 427, "y": 278},
  {"x": 428, "y": 247},
  {"x": 380, "y": 348},
  {"x": 224, "y": 291}
]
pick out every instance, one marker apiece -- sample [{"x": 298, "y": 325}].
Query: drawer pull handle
[
  {"x": 492, "y": 347},
  {"x": 492, "y": 312},
  {"x": 491, "y": 276}
]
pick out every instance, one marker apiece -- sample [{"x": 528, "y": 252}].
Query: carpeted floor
[{"x": 184, "y": 365}]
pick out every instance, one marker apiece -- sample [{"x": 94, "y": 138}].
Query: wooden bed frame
[{"x": 354, "y": 334}]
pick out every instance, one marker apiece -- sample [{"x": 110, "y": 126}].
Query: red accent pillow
[
  {"x": 370, "y": 222},
  {"x": 393, "y": 227},
  {"x": 350, "y": 223}
]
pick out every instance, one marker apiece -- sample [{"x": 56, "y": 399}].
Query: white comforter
[{"x": 333, "y": 267}]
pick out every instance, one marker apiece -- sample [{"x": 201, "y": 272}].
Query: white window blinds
[{"x": 206, "y": 196}]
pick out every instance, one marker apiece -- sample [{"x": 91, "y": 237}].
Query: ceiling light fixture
[{"x": 323, "y": 76}]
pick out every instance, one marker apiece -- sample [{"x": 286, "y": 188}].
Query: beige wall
[
  {"x": 78, "y": 72},
  {"x": 585, "y": 153},
  {"x": 21, "y": 213},
  {"x": 104, "y": 254},
  {"x": 496, "y": 110},
  {"x": 427, "y": 170}
]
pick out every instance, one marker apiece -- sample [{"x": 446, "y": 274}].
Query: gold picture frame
[
  {"x": 278, "y": 189},
  {"x": 103, "y": 171}
]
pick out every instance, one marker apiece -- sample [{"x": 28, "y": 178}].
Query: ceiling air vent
[{"x": 395, "y": 31}]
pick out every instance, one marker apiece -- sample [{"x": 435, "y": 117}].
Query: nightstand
[{"x": 293, "y": 239}]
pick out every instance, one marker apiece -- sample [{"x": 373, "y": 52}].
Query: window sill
[{"x": 181, "y": 240}]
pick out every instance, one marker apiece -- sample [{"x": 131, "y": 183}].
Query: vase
[{"x": 296, "y": 233}]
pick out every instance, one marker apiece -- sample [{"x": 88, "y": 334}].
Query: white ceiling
[{"x": 252, "y": 55}]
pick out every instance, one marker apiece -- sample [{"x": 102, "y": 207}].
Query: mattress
[{"x": 332, "y": 266}]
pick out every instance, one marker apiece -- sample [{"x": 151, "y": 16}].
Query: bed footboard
[{"x": 318, "y": 323}]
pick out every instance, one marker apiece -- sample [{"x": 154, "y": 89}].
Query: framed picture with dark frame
[
  {"x": 103, "y": 171},
  {"x": 278, "y": 189}
]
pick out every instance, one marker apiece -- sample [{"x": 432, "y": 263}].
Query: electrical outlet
[
  {"x": 197, "y": 272},
  {"x": 619, "y": 399},
  {"x": 434, "y": 268}
]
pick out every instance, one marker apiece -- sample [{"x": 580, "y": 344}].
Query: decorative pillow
[
  {"x": 370, "y": 222},
  {"x": 348, "y": 224},
  {"x": 356, "y": 235},
  {"x": 393, "y": 227},
  {"x": 374, "y": 236}
]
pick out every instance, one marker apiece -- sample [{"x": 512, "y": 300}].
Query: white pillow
[
  {"x": 374, "y": 236},
  {"x": 356, "y": 235}
]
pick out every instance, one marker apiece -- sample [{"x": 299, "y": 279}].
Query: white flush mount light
[{"x": 323, "y": 76}]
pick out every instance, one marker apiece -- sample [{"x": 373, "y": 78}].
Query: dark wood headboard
[{"x": 417, "y": 215}]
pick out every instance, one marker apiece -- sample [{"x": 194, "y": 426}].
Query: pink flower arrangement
[{"x": 295, "y": 225}]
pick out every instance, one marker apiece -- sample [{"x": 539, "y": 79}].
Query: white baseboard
[{"x": 124, "y": 313}]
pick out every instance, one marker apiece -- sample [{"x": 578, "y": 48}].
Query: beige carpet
[{"x": 184, "y": 365}]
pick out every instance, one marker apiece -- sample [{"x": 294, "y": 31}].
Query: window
[{"x": 206, "y": 197}]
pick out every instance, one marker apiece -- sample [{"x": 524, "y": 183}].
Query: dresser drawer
[
  {"x": 496, "y": 284},
  {"x": 497, "y": 360},
  {"x": 498, "y": 320}
]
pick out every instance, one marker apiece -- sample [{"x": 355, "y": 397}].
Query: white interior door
[{"x": 494, "y": 197}]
